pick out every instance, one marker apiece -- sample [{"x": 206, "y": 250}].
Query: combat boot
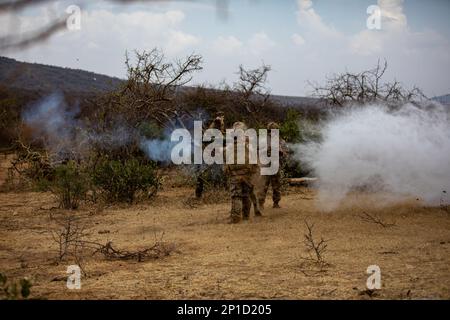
[
  {"x": 246, "y": 207},
  {"x": 234, "y": 220}
]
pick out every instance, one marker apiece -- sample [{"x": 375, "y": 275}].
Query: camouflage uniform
[
  {"x": 205, "y": 171},
  {"x": 274, "y": 180},
  {"x": 241, "y": 184}
]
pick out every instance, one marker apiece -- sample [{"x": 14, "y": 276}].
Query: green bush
[
  {"x": 14, "y": 290},
  {"x": 298, "y": 130},
  {"x": 69, "y": 183},
  {"x": 121, "y": 180},
  {"x": 151, "y": 130},
  {"x": 289, "y": 129}
]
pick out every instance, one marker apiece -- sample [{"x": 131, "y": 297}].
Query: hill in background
[
  {"x": 47, "y": 79},
  {"x": 445, "y": 99},
  {"x": 44, "y": 78}
]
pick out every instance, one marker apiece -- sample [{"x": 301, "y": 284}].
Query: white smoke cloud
[
  {"x": 55, "y": 123},
  {"x": 157, "y": 149},
  {"x": 405, "y": 153}
]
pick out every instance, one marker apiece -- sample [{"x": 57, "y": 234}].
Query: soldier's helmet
[
  {"x": 220, "y": 114},
  {"x": 218, "y": 122},
  {"x": 219, "y": 117},
  {"x": 273, "y": 125},
  {"x": 239, "y": 125}
]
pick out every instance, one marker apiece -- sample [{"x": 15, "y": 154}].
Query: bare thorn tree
[
  {"x": 365, "y": 87},
  {"x": 253, "y": 93},
  {"x": 149, "y": 91}
]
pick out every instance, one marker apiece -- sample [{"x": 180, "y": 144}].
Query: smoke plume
[
  {"x": 403, "y": 152},
  {"x": 157, "y": 149},
  {"x": 56, "y": 124}
]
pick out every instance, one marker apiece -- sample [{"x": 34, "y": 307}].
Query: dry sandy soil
[{"x": 258, "y": 259}]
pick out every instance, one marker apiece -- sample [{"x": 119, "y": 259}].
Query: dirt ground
[{"x": 258, "y": 259}]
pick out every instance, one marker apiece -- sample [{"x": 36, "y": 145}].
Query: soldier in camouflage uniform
[
  {"x": 274, "y": 180},
  {"x": 206, "y": 171},
  {"x": 241, "y": 183}
]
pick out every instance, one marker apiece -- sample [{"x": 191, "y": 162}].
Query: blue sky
[{"x": 303, "y": 40}]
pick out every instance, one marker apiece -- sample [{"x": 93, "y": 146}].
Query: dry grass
[{"x": 260, "y": 258}]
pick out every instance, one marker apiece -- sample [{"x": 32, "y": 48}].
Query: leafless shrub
[
  {"x": 365, "y": 87},
  {"x": 315, "y": 248},
  {"x": 70, "y": 236},
  {"x": 375, "y": 219},
  {"x": 149, "y": 92},
  {"x": 253, "y": 93}
]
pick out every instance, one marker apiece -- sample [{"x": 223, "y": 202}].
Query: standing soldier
[
  {"x": 274, "y": 180},
  {"x": 241, "y": 181},
  {"x": 219, "y": 124}
]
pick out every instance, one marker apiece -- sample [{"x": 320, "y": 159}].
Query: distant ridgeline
[
  {"x": 44, "y": 78},
  {"x": 48, "y": 79},
  {"x": 22, "y": 84},
  {"x": 443, "y": 99}
]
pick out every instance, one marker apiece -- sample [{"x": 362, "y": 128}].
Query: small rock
[
  {"x": 60, "y": 278},
  {"x": 370, "y": 293}
]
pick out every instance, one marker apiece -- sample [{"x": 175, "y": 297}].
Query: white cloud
[
  {"x": 316, "y": 47},
  {"x": 227, "y": 45},
  {"x": 311, "y": 22},
  {"x": 297, "y": 39},
  {"x": 179, "y": 41},
  {"x": 106, "y": 35},
  {"x": 392, "y": 13},
  {"x": 395, "y": 36},
  {"x": 394, "y": 28},
  {"x": 259, "y": 43},
  {"x": 138, "y": 29}
]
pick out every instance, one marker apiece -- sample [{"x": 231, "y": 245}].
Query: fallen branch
[
  {"x": 158, "y": 250},
  {"x": 305, "y": 181},
  {"x": 71, "y": 240},
  {"x": 375, "y": 219}
]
